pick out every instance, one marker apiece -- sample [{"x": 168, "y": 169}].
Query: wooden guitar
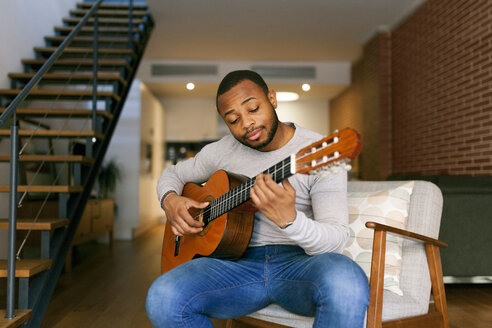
[{"x": 228, "y": 219}]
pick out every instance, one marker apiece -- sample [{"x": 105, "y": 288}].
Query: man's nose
[{"x": 248, "y": 123}]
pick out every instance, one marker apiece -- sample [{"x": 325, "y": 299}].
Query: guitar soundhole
[{"x": 205, "y": 230}]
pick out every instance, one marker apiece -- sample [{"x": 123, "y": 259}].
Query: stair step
[
  {"x": 51, "y": 158},
  {"x": 61, "y": 94},
  {"x": 101, "y": 40},
  {"x": 59, "y": 112},
  {"x": 102, "y": 30},
  {"x": 26, "y": 268},
  {"x": 87, "y": 51},
  {"x": 105, "y": 21},
  {"x": 41, "y": 188},
  {"x": 54, "y": 133},
  {"x": 73, "y": 78},
  {"x": 79, "y": 63},
  {"x": 111, "y": 13},
  {"x": 40, "y": 224},
  {"x": 21, "y": 317},
  {"x": 111, "y": 6}
]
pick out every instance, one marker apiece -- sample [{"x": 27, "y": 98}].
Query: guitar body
[{"x": 227, "y": 237}]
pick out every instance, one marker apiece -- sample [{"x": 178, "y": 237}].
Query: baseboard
[
  {"x": 468, "y": 280},
  {"x": 145, "y": 227}
]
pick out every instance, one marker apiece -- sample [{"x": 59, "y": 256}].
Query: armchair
[{"x": 421, "y": 269}]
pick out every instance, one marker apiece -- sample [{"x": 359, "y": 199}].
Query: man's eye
[
  {"x": 255, "y": 109},
  {"x": 234, "y": 122}
]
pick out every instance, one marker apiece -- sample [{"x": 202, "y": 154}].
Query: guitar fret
[{"x": 241, "y": 193}]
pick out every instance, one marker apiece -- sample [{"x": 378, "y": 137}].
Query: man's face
[{"x": 250, "y": 114}]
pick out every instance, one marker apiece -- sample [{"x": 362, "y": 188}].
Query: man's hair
[{"x": 234, "y": 78}]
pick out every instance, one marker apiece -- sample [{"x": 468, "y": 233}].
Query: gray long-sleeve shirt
[{"x": 321, "y": 223}]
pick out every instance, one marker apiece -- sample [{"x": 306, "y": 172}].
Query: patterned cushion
[{"x": 388, "y": 207}]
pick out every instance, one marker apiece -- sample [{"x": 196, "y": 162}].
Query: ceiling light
[
  {"x": 306, "y": 87},
  {"x": 287, "y": 96},
  {"x": 190, "y": 86}
]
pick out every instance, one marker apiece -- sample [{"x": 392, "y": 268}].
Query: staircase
[{"x": 75, "y": 105}]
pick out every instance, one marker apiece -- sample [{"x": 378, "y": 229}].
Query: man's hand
[
  {"x": 176, "y": 208},
  {"x": 276, "y": 202}
]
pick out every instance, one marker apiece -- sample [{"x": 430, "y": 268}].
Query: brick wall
[
  {"x": 442, "y": 89},
  {"x": 423, "y": 102}
]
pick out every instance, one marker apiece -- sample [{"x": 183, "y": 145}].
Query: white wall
[
  {"x": 190, "y": 119},
  {"x": 310, "y": 114},
  {"x": 125, "y": 149},
  {"x": 141, "y": 122},
  {"x": 24, "y": 24},
  {"x": 151, "y": 132}
]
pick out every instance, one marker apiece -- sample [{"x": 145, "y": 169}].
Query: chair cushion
[
  {"x": 276, "y": 314},
  {"x": 388, "y": 207}
]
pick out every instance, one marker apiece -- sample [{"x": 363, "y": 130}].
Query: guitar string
[
  {"x": 238, "y": 193},
  {"x": 225, "y": 201}
]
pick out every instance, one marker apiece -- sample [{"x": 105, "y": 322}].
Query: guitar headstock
[{"x": 334, "y": 150}]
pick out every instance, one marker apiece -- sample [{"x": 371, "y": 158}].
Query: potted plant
[{"x": 107, "y": 178}]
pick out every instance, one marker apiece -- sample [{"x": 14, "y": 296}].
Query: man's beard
[{"x": 270, "y": 136}]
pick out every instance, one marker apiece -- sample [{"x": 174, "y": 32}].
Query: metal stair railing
[{"x": 62, "y": 239}]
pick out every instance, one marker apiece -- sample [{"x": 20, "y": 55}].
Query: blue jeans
[{"x": 330, "y": 287}]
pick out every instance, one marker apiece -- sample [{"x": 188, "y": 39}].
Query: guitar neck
[{"x": 241, "y": 194}]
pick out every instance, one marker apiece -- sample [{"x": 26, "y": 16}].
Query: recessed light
[
  {"x": 306, "y": 87},
  {"x": 190, "y": 86},
  {"x": 287, "y": 96}
]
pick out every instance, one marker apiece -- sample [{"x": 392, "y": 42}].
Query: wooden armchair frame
[{"x": 437, "y": 318}]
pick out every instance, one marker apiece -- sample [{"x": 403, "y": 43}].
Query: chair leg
[
  {"x": 435, "y": 269},
  {"x": 375, "y": 309}
]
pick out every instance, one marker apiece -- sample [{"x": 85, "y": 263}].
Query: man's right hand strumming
[{"x": 176, "y": 208}]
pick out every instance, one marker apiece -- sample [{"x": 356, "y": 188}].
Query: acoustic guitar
[{"x": 229, "y": 217}]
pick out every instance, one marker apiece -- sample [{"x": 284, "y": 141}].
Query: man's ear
[{"x": 272, "y": 97}]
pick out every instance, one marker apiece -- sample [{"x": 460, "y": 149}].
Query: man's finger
[
  {"x": 288, "y": 186},
  {"x": 196, "y": 204},
  {"x": 190, "y": 221}
]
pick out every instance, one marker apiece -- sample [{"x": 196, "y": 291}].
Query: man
[{"x": 293, "y": 258}]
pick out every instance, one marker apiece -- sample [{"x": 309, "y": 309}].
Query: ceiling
[{"x": 266, "y": 31}]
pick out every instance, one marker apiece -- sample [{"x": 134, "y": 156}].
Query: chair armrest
[{"x": 405, "y": 234}]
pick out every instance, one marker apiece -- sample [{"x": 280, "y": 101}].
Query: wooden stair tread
[
  {"x": 103, "y": 20},
  {"x": 102, "y": 76},
  {"x": 59, "y": 112},
  {"x": 51, "y": 158},
  {"x": 41, "y": 188},
  {"x": 21, "y": 317},
  {"x": 102, "y": 29},
  {"x": 40, "y": 224},
  {"x": 102, "y": 39},
  {"x": 111, "y": 13},
  {"x": 110, "y": 5},
  {"x": 113, "y": 62},
  {"x": 62, "y": 93},
  {"x": 26, "y": 268},
  {"x": 55, "y": 133},
  {"x": 85, "y": 50}
]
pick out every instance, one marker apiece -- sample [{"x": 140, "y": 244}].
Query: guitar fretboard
[{"x": 240, "y": 194}]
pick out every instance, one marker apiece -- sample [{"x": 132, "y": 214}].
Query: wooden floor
[{"x": 108, "y": 288}]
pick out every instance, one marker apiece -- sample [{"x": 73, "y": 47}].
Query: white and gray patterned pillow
[{"x": 388, "y": 207}]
